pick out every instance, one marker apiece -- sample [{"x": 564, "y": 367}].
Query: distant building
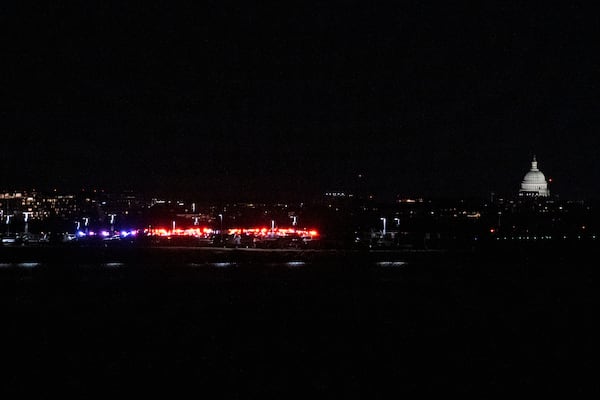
[{"x": 534, "y": 183}]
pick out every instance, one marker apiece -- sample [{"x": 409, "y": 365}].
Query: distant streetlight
[
  {"x": 294, "y": 220},
  {"x": 27, "y": 214},
  {"x": 8, "y": 217},
  {"x": 397, "y": 221},
  {"x": 384, "y": 220},
  {"x": 221, "y": 230},
  {"x": 272, "y": 226},
  {"x": 112, "y": 221}
]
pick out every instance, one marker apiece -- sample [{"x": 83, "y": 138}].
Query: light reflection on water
[
  {"x": 226, "y": 264},
  {"x": 28, "y": 264},
  {"x": 387, "y": 264},
  {"x": 222, "y": 264},
  {"x": 212, "y": 264},
  {"x": 20, "y": 265},
  {"x": 113, "y": 264},
  {"x": 295, "y": 264},
  {"x": 195, "y": 265}
]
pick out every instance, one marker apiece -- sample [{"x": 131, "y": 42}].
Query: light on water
[
  {"x": 295, "y": 263},
  {"x": 113, "y": 264},
  {"x": 212, "y": 264},
  {"x": 28, "y": 265},
  {"x": 390, "y": 263},
  {"x": 222, "y": 264},
  {"x": 195, "y": 265},
  {"x": 20, "y": 265}
]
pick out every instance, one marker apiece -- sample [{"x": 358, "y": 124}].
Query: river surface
[{"x": 344, "y": 325}]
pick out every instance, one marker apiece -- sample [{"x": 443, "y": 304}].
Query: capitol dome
[{"x": 534, "y": 183}]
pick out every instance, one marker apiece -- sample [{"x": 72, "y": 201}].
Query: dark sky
[{"x": 429, "y": 99}]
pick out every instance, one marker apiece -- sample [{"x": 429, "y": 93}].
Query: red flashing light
[
  {"x": 262, "y": 231},
  {"x": 492, "y": 230}
]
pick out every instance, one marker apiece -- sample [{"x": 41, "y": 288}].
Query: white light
[
  {"x": 222, "y": 264},
  {"x": 295, "y": 263},
  {"x": 28, "y": 265},
  {"x": 113, "y": 264},
  {"x": 390, "y": 263}
]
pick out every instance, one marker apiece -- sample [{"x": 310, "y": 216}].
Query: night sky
[{"x": 432, "y": 100}]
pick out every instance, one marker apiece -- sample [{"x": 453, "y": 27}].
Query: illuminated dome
[{"x": 534, "y": 183}]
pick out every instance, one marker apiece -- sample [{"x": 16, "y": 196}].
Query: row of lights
[
  {"x": 564, "y": 237},
  {"x": 201, "y": 232},
  {"x": 384, "y": 220}
]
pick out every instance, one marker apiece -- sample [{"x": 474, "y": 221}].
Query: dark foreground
[{"x": 225, "y": 324}]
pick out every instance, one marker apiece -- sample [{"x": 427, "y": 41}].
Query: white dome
[
  {"x": 534, "y": 183},
  {"x": 534, "y": 177}
]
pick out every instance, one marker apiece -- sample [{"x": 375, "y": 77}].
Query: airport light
[
  {"x": 8, "y": 217},
  {"x": 112, "y": 221}
]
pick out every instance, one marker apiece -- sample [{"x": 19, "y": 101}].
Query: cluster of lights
[
  {"x": 205, "y": 232},
  {"x": 545, "y": 237},
  {"x": 279, "y": 232},
  {"x": 105, "y": 234},
  {"x": 196, "y": 232},
  {"x": 201, "y": 232}
]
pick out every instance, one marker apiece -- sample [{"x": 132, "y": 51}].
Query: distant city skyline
[{"x": 357, "y": 186}]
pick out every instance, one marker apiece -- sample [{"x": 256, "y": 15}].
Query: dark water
[{"x": 348, "y": 325}]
